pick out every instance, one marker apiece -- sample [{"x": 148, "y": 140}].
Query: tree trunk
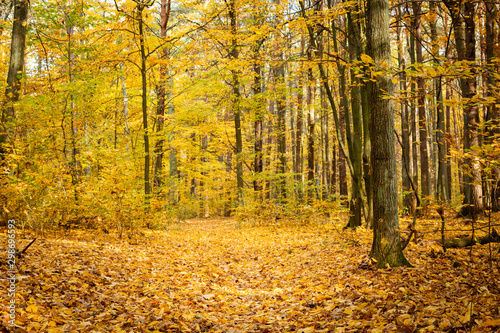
[
  {"x": 408, "y": 197},
  {"x": 473, "y": 200},
  {"x": 442, "y": 179},
  {"x": 357, "y": 135},
  {"x": 233, "y": 54},
  {"x": 310, "y": 135},
  {"x": 413, "y": 118},
  {"x": 147, "y": 186},
  {"x": 341, "y": 157},
  {"x": 466, "y": 47},
  {"x": 422, "y": 119},
  {"x": 160, "y": 111},
  {"x": 386, "y": 247},
  {"x": 259, "y": 116},
  {"x": 281, "y": 137},
  {"x": 493, "y": 114},
  {"x": 15, "y": 74},
  {"x": 299, "y": 125}
]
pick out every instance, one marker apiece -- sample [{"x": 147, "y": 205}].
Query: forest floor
[{"x": 226, "y": 276}]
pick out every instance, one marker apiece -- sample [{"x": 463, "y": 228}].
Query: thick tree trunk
[
  {"x": 15, "y": 74},
  {"x": 386, "y": 247}
]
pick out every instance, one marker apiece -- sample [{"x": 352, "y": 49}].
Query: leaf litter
[{"x": 221, "y": 276}]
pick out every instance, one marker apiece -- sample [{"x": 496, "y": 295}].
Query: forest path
[{"x": 223, "y": 276}]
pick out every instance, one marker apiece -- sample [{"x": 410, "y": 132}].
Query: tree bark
[
  {"x": 493, "y": 111},
  {"x": 466, "y": 47},
  {"x": 233, "y": 54},
  {"x": 311, "y": 121},
  {"x": 281, "y": 137},
  {"x": 259, "y": 116},
  {"x": 422, "y": 119},
  {"x": 408, "y": 197},
  {"x": 160, "y": 111},
  {"x": 442, "y": 178},
  {"x": 147, "y": 157},
  {"x": 386, "y": 246},
  {"x": 299, "y": 125},
  {"x": 15, "y": 73}
]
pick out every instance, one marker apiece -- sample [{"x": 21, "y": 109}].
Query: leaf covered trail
[{"x": 219, "y": 276}]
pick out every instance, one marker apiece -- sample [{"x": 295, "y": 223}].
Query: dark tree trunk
[
  {"x": 259, "y": 116},
  {"x": 386, "y": 247},
  {"x": 147, "y": 157},
  {"x": 311, "y": 121},
  {"x": 160, "y": 110},
  {"x": 442, "y": 179},
  {"x": 422, "y": 119},
  {"x": 281, "y": 137},
  {"x": 341, "y": 160},
  {"x": 408, "y": 197},
  {"x": 493, "y": 113},
  {"x": 233, "y": 54},
  {"x": 413, "y": 118}
]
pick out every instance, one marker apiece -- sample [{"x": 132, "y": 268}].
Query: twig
[{"x": 20, "y": 254}]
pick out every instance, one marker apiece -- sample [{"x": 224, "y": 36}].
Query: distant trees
[{"x": 273, "y": 105}]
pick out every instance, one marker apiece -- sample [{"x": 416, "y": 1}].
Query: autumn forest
[{"x": 250, "y": 166}]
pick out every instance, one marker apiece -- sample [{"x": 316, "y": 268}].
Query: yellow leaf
[
  {"x": 306, "y": 330},
  {"x": 348, "y": 311},
  {"x": 32, "y": 308},
  {"x": 366, "y": 58},
  {"x": 465, "y": 318},
  {"x": 491, "y": 322}
]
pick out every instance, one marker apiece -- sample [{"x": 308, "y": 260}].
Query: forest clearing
[{"x": 220, "y": 275}]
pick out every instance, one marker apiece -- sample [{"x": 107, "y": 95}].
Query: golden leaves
[{"x": 210, "y": 276}]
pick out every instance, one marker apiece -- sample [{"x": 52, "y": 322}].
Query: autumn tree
[
  {"x": 386, "y": 247},
  {"x": 15, "y": 74}
]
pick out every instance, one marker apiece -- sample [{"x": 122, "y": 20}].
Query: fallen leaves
[{"x": 209, "y": 276}]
